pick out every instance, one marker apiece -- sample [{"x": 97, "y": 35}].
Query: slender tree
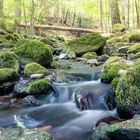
[
  {"x": 138, "y": 13},
  {"x": 101, "y": 14},
  {"x": 115, "y": 13},
  {"x": 18, "y": 13},
  {"x": 1, "y": 14},
  {"x": 32, "y": 17}
]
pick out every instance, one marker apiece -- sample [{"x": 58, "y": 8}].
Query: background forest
[{"x": 95, "y": 14}]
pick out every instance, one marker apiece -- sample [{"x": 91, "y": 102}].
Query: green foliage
[
  {"x": 88, "y": 43},
  {"x": 111, "y": 71},
  {"x": 135, "y": 37},
  {"x": 34, "y": 68},
  {"x": 89, "y": 55},
  {"x": 128, "y": 89},
  {"x": 8, "y": 75},
  {"x": 35, "y": 51},
  {"x": 39, "y": 87},
  {"x": 8, "y": 60}
]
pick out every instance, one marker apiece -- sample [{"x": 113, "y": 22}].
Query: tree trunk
[
  {"x": 32, "y": 18},
  {"x": 128, "y": 9},
  {"x": 115, "y": 13},
  {"x": 1, "y": 14},
  {"x": 25, "y": 17},
  {"x": 101, "y": 14},
  {"x": 138, "y": 14},
  {"x": 18, "y": 13},
  {"x": 59, "y": 28}
]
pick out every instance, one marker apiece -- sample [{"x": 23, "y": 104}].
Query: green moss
[
  {"x": 7, "y": 75},
  {"x": 119, "y": 54},
  {"x": 134, "y": 49},
  {"x": 111, "y": 71},
  {"x": 88, "y": 43},
  {"x": 114, "y": 83},
  {"x": 136, "y": 56},
  {"x": 112, "y": 41},
  {"x": 134, "y": 37},
  {"x": 57, "y": 65},
  {"x": 118, "y": 28},
  {"x": 8, "y": 60},
  {"x": 34, "y": 68},
  {"x": 90, "y": 55},
  {"x": 39, "y": 87},
  {"x": 35, "y": 51},
  {"x": 113, "y": 59},
  {"x": 128, "y": 89},
  {"x": 6, "y": 45}
]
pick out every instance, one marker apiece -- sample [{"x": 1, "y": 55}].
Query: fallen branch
[{"x": 60, "y": 28}]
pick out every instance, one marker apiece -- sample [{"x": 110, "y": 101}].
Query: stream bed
[{"x": 59, "y": 110}]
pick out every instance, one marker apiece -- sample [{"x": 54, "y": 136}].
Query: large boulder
[
  {"x": 88, "y": 43},
  {"x": 34, "y": 68},
  {"x": 128, "y": 89},
  {"x": 35, "y": 51},
  {"x": 9, "y": 60},
  {"x": 127, "y": 130}
]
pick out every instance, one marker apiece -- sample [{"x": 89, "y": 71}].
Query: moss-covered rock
[
  {"x": 57, "y": 65},
  {"x": 126, "y": 130},
  {"x": 113, "y": 59},
  {"x": 90, "y": 55},
  {"x": 118, "y": 28},
  {"x": 23, "y": 134},
  {"x": 8, "y": 60},
  {"x": 134, "y": 37},
  {"x": 39, "y": 87},
  {"x": 123, "y": 49},
  {"x": 88, "y": 43},
  {"x": 134, "y": 49},
  {"x": 114, "y": 43},
  {"x": 53, "y": 41},
  {"x": 35, "y": 51},
  {"x": 119, "y": 55},
  {"x": 102, "y": 58},
  {"x": 128, "y": 89},
  {"x": 136, "y": 56},
  {"x": 7, "y": 75},
  {"x": 34, "y": 68},
  {"x": 111, "y": 71}
]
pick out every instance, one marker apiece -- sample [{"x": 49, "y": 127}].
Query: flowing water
[{"x": 59, "y": 109}]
